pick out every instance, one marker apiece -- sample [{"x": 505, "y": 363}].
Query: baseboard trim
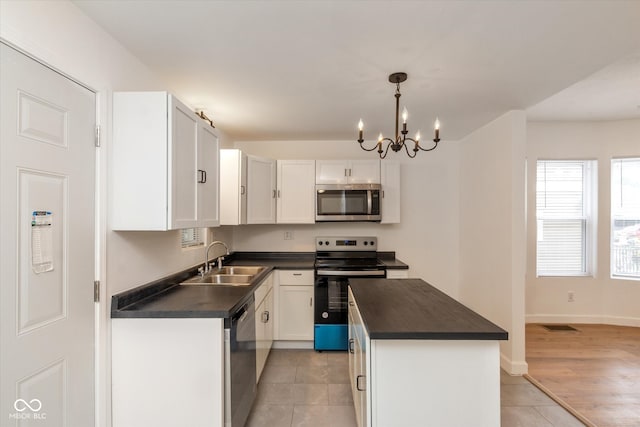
[
  {"x": 513, "y": 368},
  {"x": 587, "y": 319},
  {"x": 293, "y": 345}
]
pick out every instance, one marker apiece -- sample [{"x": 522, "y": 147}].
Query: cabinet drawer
[
  {"x": 263, "y": 289},
  {"x": 296, "y": 277}
]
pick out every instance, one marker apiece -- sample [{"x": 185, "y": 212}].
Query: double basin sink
[{"x": 226, "y": 276}]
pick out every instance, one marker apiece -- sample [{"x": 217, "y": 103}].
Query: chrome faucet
[{"x": 219, "y": 260}]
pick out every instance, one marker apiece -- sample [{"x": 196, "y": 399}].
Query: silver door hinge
[
  {"x": 97, "y": 141},
  {"x": 96, "y": 291}
]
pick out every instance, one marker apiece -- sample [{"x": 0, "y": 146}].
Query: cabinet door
[
  {"x": 208, "y": 176},
  {"x": 260, "y": 340},
  {"x": 296, "y": 191},
  {"x": 331, "y": 172},
  {"x": 268, "y": 328},
  {"x": 183, "y": 148},
  {"x": 390, "y": 179},
  {"x": 364, "y": 172},
  {"x": 296, "y": 313},
  {"x": 261, "y": 190}
]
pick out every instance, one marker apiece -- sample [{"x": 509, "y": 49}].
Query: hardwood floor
[{"x": 595, "y": 370}]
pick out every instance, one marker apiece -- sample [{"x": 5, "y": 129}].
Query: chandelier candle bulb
[
  {"x": 417, "y": 136},
  {"x": 360, "y": 127},
  {"x": 436, "y": 126}
]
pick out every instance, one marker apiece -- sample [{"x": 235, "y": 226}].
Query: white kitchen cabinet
[
  {"x": 358, "y": 344},
  {"x": 348, "y": 171},
  {"x": 233, "y": 187},
  {"x": 387, "y": 392},
  {"x": 264, "y": 323},
  {"x": 167, "y": 372},
  {"x": 209, "y": 179},
  {"x": 295, "y": 305},
  {"x": 390, "y": 180},
  {"x": 261, "y": 190},
  {"x": 296, "y": 191},
  {"x": 164, "y": 165}
]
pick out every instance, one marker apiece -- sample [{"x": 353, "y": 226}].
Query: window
[
  {"x": 564, "y": 197},
  {"x": 191, "y": 237},
  {"x": 625, "y": 218}
]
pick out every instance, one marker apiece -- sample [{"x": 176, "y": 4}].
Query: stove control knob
[
  {"x": 326, "y": 243},
  {"x": 366, "y": 243},
  {"x": 325, "y": 315},
  {"x": 371, "y": 243},
  {"x": 320, "y": 242}
]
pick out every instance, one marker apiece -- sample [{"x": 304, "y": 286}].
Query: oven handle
[{"x": 350, "y": 273}]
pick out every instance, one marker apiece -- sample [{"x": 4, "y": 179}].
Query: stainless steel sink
[
  {"x": 240, "y": 269},
  {"x": 221, "y": 279}
]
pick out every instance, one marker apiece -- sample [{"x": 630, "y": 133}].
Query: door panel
[{"x": 47, "y": 165}]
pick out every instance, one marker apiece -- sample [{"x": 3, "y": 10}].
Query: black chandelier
[{"x": 401, "y": 140}]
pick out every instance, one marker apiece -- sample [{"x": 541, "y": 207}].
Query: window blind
[
  {"x": 192, "y": 237},
  {"x": 562, "y": 217}
]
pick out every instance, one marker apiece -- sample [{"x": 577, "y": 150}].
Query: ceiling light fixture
[{"x": 401, "y": 139}]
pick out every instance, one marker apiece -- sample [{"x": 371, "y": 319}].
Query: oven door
[{"x": 330, "y": 309}]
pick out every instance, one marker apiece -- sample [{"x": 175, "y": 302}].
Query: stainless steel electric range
[{"x": 337, "y": 260}]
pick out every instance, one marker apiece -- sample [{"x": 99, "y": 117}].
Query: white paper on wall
[{"x": 42, "y": 242}]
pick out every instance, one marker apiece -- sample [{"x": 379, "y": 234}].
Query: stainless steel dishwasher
[{"x": 240, "y": 365}]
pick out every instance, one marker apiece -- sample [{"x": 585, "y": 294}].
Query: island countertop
[{"x": 413, "y": 309}]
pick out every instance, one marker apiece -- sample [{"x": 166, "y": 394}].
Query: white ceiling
[{"x": 308, "y": 70}]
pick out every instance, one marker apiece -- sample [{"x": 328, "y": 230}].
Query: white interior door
[{"x": 47, "y": 165}]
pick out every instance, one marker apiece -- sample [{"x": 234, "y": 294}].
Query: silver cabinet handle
[
  {"x": 349, "y": 172},
  {"x": 311, "y": 302},
  {"x": 297, "y": 274},
  {"x": 265, "y": 317},
  {"x": 242, "y": 190},
  {"x": 274, "y": 194},
  {"x": 278, "y": 194},
  {"x": 351, "y": 350},
  {"x": 358, "y": 383}
]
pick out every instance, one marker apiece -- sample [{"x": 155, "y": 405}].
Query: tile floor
[{"x": 303, "y": 388}]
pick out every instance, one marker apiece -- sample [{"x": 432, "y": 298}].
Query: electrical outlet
[
  {"x": 571, "y": 296},
  {"x": 288, "y": 235}
]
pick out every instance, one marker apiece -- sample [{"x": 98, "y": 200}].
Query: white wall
[
  {"x": 59, "y": 34},
  {"x": 492, "y": 229},
  {"x": 426, "y": 238},
  {"x": 598, "y": 299}
]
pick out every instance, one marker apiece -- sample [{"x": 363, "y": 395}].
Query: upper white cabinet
[
  {"x": 261, "y": 190},
  {"x": 164, "y": 168},
  {"x": 348, "y": 171},
  {"x": 296, "y": 191},
  {"x": 390, "y": 179},
  {"x": 233, "y": 188}
]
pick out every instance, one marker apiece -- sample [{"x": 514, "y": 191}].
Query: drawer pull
[
  {"x": 358, "y": 383},
  {"x": 351, "y": 342}
]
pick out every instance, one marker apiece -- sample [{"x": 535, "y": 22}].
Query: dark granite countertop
[
  {"x": 413, "y": 309},
  {"x": 166, "y": 298}
]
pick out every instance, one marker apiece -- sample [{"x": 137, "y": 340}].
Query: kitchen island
[{"x": 420, "y": 358}]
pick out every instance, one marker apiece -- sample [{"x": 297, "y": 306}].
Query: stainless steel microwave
[{"x": 348, "y": 202}]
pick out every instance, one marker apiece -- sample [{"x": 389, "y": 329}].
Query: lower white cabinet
[
  {"x": 264, "y": 323},
  {"x": 167, "y": 372},
  {"x": 413, "y": 382},
  {"x": 295, "y": 305},
  {"x": 358, "y": 344}
]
